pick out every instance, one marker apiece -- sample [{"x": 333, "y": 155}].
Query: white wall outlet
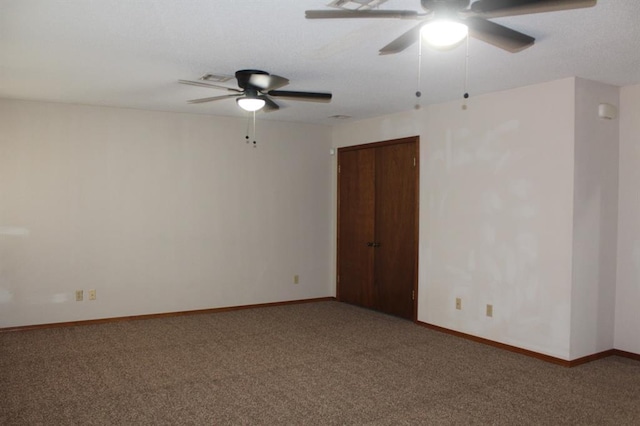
[
  {"x": 296, "y": 279},
  {"x": 458, "y": 303},
  {"x": 79, "y": 295},
  {"x": 489, "y": 310},
  {"x": 92, "y": 295}
]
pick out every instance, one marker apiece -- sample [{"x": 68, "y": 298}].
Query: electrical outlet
[
  {"x": 296, "y": 279},
  {"x": 79, "y": 295},
  {"x": 458, "y": 303},
  {"x": 489, "y": 310},
  {"x": 92, "y": 295}
]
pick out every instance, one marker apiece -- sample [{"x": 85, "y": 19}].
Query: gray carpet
[{"x": 317, "y": 364}]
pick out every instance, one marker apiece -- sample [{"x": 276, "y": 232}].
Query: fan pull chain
[
  {"x": 466, "y": 75},
  {"x": 247, "y": 132},
  {"x": 254, "y": 130},
  {"x": 418, "y": 92}
]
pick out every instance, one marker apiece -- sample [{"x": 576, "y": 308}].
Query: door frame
[{"x": 410, "y": 139}]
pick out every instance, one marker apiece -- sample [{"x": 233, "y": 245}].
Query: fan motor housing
[{"x": 243, "y": 77}]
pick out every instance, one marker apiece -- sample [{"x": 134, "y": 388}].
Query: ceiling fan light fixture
[
  {"x": 443, "y": 33},
  {"x": 250, "y": 104}
]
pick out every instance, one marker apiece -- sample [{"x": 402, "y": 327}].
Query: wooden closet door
[
  {"x": 377, "y": 226},
  {"x": 395, "y": 224},
  {"x": 356, "y": 209}
]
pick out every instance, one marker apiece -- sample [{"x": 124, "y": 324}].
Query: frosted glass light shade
[
  {"x": 443, "y": 33},
  {"x": 250, "y": 104}
]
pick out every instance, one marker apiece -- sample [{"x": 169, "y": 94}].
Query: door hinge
[
  {"x": 413, "y": 295},
  {"x": 338, "y": 168},
  {"x": 414, "y": 161}
]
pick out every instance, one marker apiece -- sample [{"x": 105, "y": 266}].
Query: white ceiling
[{"x": 130, "y": 53}]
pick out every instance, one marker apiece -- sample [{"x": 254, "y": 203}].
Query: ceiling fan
[
  {"x": 460, "y": 17},
  {"x": 255, "y": 91}
]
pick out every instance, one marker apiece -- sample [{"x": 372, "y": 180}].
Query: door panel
[
  {"x": 356, "y": 226},
  {"x": 394, "y": 270}
]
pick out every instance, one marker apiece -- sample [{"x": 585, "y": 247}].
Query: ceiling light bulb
[
  {"x": 250, "y": 104},
  {"x": 443, "y": 33}
]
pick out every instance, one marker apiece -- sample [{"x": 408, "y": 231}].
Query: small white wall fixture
[{"x": 607, "y": 111}]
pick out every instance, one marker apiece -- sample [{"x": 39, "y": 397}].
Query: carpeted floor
[{"x": 314, "y": 364}]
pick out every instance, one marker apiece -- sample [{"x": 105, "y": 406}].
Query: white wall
[
  {"x": 499, "y": 180},
  {"x": 627, "y": 324},
  {"x": 158, "y": 212},
  {"x": 164, "y": 212},
  {"x": 595, "y": 221},
  {"x": 496, "y": 212}
]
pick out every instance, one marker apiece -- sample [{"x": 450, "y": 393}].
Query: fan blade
[
  {"x": 402, "y": 42},
  {"x": 498, "y": 8},
  {"x": 215, "y": 98},
  {"x": 267, "y": 82},
  {"x": 339, "y": 14},
  {"x": 209, "y": 85},
  {"x": 498, "y": 35},
  {"x": 301, "y": 96},
  {"x": 269, "y": 104}
]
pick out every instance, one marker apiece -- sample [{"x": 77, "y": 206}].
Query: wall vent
[
  {"x": 216, "y": 78},
  {"x": 356, "y": 4}
]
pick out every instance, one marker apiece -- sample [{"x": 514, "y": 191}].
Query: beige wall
[
  {"x": 157, "y": 212},
  {"x": 500, "y": 209},
  {"x": 595, "y": 221},
  {"x": 628, "y": 281},
  {"x": 165, "y": 212}
]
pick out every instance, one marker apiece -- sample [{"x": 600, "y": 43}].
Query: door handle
[{"x": 373, "y": 244}]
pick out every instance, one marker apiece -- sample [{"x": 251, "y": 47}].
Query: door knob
[
  {"x": 370, "y": 244},
  {"x": 376, "y": 245}
]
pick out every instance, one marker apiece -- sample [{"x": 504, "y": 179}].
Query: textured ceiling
[{"x": 130, "y": 53}]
